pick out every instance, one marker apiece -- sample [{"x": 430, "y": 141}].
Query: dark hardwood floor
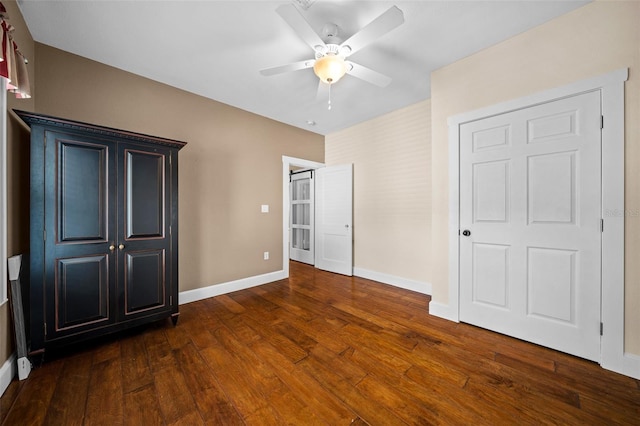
[{"x": 317, "y": 349}]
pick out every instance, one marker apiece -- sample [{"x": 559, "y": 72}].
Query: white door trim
[
  {"x": 611, "y": 87},
  {"x": 287, "y": 163}
]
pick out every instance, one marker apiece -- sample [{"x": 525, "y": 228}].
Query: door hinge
[
  {"x": 601, "y": 225},
  {"x": 45, "y": 328},
  {"x": 601, "y": 329},
  {"x": 171, "y": 300},
  {"x": 169, "y": 229},
  {"x": 44, "y": 235},
  {"x": 602, "y": 122}
]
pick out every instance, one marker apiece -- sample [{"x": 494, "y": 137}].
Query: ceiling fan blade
[
  {"x": 287, "y": 68},
  {"x": 290, "y": 14},
  {"x": 384, "y": 23},
  {"x": 368, "y": 75},
  {"x": 323, "y": 92}
]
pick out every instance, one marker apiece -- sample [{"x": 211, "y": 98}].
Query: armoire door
[
  {"x": 79, "y": 202},
  {"x": 144, "y": 231}
]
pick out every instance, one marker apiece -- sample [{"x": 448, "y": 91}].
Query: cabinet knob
[
  {"x": 112, "y": 247},
  {"x": 121, "y": 246}
]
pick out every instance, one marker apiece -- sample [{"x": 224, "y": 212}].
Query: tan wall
[
  {"x": 590, "y": 41},
  {"x": 231, "y": 165},
  {"x": 17, "y": 169},
  {"x": 392, "y": 190}
]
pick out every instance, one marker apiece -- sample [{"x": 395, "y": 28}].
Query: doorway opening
[{"x": 289, "y": 163}]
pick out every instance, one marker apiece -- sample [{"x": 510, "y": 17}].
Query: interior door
[
  {"x": 80, "y": 174},
  {"x": 530, "y": 215},
  {"x": 144, "y": 234},
  {"x": 301, "y": 217},
  {"x": 334, "y": 219}
]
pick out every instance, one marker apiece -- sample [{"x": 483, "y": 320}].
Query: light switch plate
[{"x": 265, "y": 208}]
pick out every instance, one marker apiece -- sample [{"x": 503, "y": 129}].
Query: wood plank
[
  {"x": 67, "y": 405},
  {"x": 326, "y": 405},
  {"x": 238, "y": 387},
  {"x": 174, "y": 396},
  {"x": 159, "y": 351},
  {"x": 141, "y": 407},
  {"x": 9, "y": 397},
  {"x": 366, "y": 408},
  {"x": 105, "y": 399},
  {"x": 136, "y": 371},
  {"x": 31, "y": 405},
  {"x": 213, "y": 405}
]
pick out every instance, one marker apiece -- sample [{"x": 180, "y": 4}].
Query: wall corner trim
[
  {"x": 408, "y": 284},
  {"x": 7, "y": 373},
  {"x": 441, "y": 310},
  {"x": 189, "y": 296}
]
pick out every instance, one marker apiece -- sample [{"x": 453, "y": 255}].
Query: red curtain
[{"x": 13, "y": 64}]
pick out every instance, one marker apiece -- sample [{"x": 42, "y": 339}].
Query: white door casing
[
  {"x": 334, "y": 219},
  {"x": 302, "y": 215},
  {"x": 530, "y": 197}
]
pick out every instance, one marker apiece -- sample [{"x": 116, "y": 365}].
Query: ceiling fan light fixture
[{"x": 330, "y": 68}]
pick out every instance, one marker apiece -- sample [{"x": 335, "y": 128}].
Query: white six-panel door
[
  {"x": 530, "y": 202},
  {"x": 334, "y": 219}
]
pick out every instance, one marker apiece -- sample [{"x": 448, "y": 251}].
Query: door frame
[
  {"x": 611, "y": 87},
  {"x": 287, "y": 163},
  {"x": 4, "y": 177}
]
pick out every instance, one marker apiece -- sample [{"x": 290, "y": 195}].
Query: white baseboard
[
  {"x": 189, "y": 296},
  {"x": 442, "y": 311},
  {"x": 631, "y": 366},
  {"x": 628, "y": 364},
  {"x": 413, "y": 285},
  {"x": 7, "y": 373}
]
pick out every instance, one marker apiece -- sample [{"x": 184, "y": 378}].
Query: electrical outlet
[
  {"x": 266, "y": 255},
  {"x": 264, "y": 208}
]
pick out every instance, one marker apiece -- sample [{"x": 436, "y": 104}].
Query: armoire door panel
[
  {"x": 82, "y": 182},
  {"x": 145, "y": 194},
  {"x": 81, "y": 291},
  {"x": 145, "y": 281}
]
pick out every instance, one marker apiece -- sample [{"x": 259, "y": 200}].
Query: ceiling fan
[{"x": 330, "y": 63}]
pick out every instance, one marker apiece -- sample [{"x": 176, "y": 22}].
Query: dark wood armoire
[{"x": 104, "y": 230}]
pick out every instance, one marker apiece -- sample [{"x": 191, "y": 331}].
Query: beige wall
[
  {"x": 391, "y": 155},
  {"x": 231, "y": 165},
  {"x": 17, "y": 170},
  {"x": 590, "y": 41}
]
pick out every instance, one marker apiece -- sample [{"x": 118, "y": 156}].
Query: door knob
[
  {"x": 112, "y": 247},
  {"x": 466, "y": 232},
  {"x": 121, "y": 246}
]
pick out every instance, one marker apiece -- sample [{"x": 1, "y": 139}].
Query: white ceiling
[{"x": 216, "y": 48}]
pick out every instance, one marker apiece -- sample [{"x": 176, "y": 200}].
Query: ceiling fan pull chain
[{"x": 329, "y": 107}]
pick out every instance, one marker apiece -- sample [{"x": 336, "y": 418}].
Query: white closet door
[
  {"x": 530, "y": 219},
  {"x": 334, "y": 219}
]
